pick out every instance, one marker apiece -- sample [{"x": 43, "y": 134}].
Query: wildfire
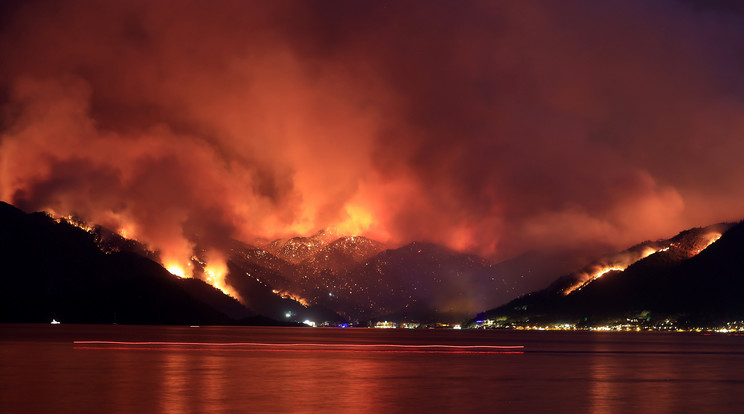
[
  {"x": 648, "y": 251},
  {"x": 607, "y": 270},
  {"x": 594, "y": 276},
  {"x": 288, "y": 295},
  {"x": 127, "y": 232},
  {"x": 215, "y": 272},
  {"x": 712, "y": 238},
  {"x": 72, "y": 220},
  {"x": 176, "y": 269},
  {"x": 619, "y": 264}
]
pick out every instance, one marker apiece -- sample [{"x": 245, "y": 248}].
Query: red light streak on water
[
  {"x": 298, "y": 347},
  {"x": 321, "y": 345},
  {"x": 386, "y": 351}
]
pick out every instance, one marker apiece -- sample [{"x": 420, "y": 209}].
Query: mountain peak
[{"x": 302, "y": 248}]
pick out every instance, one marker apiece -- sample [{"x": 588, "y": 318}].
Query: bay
[{"x": 174, "y": 369}]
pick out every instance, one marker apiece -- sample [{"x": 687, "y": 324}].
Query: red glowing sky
[{"x": 491, "y": 127}]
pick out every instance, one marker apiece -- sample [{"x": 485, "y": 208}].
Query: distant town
[{"x": 628, "y": 325}]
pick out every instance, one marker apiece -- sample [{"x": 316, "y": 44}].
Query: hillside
[
  {"x": 64, "y": 269},
  {"x": 356, "y": 278},
  {"x": 695, "y": 277},
  {"x": 56, "y": 270}
]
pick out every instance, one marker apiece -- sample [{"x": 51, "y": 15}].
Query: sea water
[{"x": 172, "y": 369}]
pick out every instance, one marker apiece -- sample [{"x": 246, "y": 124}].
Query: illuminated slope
[
  {"x": 695, "y": 276},
  {"x": 343, "y": 253},
  {"x": 297, "y": 249},
  {"x": 687, "y": 244}
]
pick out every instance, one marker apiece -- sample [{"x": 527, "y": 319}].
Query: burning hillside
[{"x": 688, "y": 243}]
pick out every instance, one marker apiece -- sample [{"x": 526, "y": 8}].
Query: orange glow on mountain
[
  {"x": 596, "y": 275},
  {"x": 606, "y": 270},
  {"x": 215, "y": 272},
  {"x": 176, "y": 269},
  {"x": 648, "y": 251},
  {"x": 127, "y": 232},
  {"x": 710, "y": 239},
  {"x": 288, "y": 295},
  {"x": 73, "y": 221},
  {"x": 618, "y": 263}
]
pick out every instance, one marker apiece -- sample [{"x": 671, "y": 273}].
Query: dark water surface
[{"x": 296, "y": 370}]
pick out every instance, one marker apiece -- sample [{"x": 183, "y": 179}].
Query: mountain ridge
[
  {"x": 67, "y": 269},
  {"x": 695, "y": 278}
]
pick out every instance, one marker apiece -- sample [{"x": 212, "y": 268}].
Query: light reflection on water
[
  {"x": 41, "y": 371},
  {"x": 174, "y": 395}
]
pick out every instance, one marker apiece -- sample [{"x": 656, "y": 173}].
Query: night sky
[{"x": 492, "y": 127}]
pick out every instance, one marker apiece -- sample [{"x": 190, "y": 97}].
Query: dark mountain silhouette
[
  {"x": 89, "y": 274},
  {"x": 54, "y": 269},
  {"x": 693, "y": 278},
  {"x": 63, "y": 269}
]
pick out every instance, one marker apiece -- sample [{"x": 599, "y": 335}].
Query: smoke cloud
[{"x": 491, "y": 127}]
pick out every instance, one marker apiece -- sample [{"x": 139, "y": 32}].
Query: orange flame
[
  {"x": 288, "y": 295},
  {"x": 619, "y": 264},
  {"x": 215, "y": 273},
  {"x": 607, "y": 270},
  {"x": 72, "y": 221},
  {"x": 176, "y": 269},
  {"x": 712, "y": 238},
  {"x": 127, "y": 232}
]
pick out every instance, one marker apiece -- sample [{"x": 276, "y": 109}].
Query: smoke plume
[{"x": 490, "y": 127}]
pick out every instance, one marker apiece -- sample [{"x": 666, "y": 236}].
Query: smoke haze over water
[{"x": 490, "y": 127}]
